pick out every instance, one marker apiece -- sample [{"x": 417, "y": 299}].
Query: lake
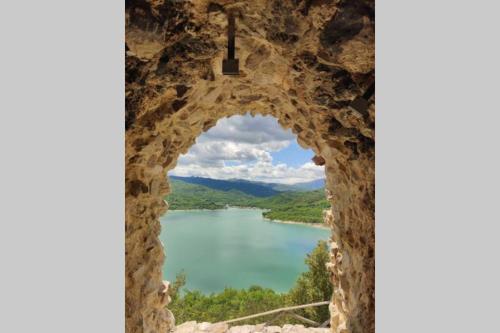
[{"x": 235, "y": 247}]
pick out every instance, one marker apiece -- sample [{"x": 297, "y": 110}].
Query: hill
[
  {"x": 255, "y": 188},
  {"x": 252, "y": 188},
  {"x": 306, "y": 186},
  {"x": 303, "y": 206},
  {"x": 310, "y": 186},
  {"x": 192, "y": 196}
]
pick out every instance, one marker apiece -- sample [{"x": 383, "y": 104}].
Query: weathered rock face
[
  {"x": 301, "y": 62},
  {"x": 194, "y": 327}
]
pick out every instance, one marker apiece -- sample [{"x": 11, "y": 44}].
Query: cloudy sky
[{"x": 252, "y": 148}]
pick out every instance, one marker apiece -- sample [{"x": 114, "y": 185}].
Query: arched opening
[
  {"x": 303, "y": 65},
  {"x": 168, "y": 147},
  {"x": 245, "y": 211}
]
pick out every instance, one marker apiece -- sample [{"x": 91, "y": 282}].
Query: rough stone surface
[
  {"x": 301, "y": 62},
  {"x": 194, "y": 327}
]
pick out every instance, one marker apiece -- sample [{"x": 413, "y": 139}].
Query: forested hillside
[
  {"x": 303, "y": 206},
  {"x": 252, "y": 188},
  {"x": 192, "y": 196}
]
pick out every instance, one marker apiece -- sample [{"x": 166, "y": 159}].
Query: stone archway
[{"x": 301, "y": 62}]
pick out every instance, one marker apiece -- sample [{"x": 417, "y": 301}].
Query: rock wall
[
  {"x": 302, "y": 62},
  {"x": 194, "y": 327}
]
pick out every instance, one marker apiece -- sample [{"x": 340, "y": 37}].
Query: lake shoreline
[
  {"x": 235, "y": 248},
  {"x": 315, "y": 225}
]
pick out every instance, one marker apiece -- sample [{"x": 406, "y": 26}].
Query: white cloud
[
  {"x": 247, "y": 129},
  {"x": 241, "y": 147},
  {"x": 215, "y": 152},
  {"x": 259, "y": 171}
]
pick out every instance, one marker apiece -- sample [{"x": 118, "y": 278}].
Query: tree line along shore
[{"x": 288, "y": 206}]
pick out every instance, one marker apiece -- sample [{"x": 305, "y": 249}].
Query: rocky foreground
[{"x": 194, "y": 327}]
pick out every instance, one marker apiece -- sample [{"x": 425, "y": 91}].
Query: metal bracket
[{"x": 230, "y": 66}]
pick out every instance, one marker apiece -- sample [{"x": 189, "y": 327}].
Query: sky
[{"x": 252, "y": 148}]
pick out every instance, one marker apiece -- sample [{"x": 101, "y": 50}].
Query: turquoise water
[{"x": 235, "y": 248}]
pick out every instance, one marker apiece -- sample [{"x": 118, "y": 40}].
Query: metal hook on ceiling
[{"x": 231, "y": 65}]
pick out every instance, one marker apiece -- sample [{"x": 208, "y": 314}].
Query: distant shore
[
  {"x": 189, "y": 210},
  {"x": 207, "y": 209},
  {"x": 315, "y": 225}
]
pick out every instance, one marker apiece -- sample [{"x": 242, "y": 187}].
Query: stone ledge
[{"x": 194, "y": 327}]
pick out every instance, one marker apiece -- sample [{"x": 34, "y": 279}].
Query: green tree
[
  {"x": 175, "y": 287},
  {"x": 314, "y": 285},
  {"x": 228, "y": 304}
]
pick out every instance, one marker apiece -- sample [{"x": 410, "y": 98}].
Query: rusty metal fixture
[{"x": 230, "y": 66}]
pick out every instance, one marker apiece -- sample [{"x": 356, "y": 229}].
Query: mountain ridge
[
  {"x": 254, "y": 188},
  {"x": 297, "y": 206}
]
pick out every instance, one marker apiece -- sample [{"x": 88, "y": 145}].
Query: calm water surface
[{"x": 235, "y": 248}]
